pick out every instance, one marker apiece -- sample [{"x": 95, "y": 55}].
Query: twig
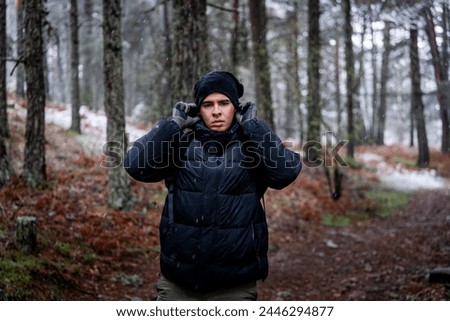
[
  {"x": 222, "y": 8},
  {"x": 17, "y": 60},
  {"x": 14, "y": 68}
]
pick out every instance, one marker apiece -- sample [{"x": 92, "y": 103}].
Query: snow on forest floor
[
  {"x": 93, "y": 127},
  {"x": 399, "y": 177}
]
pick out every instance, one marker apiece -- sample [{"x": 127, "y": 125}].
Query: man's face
[{"x": 217, "y": 112}]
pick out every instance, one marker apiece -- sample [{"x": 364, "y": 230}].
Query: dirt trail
[{"x": 379, "y": 260}]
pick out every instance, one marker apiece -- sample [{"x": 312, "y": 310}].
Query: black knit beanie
[{"x": 223, "y": 82}]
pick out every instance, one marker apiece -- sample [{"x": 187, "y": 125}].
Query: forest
[{"x": 360, "y": 89}]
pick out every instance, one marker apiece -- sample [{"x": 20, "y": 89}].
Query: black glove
[
  {"x": 185, "y": 114},
  {"x": 246, "y": 112}
]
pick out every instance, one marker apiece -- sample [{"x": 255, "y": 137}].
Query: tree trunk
[
  {"x": 445, "y": 52},
  {"x": 45, "y": 64},
  {"x": 296, "y": 67},
  {"x": 257, "y": 9},
  {"x": 166, "y": 91},
  {"x": 59, "y": 71},
  {"x": 350, "y": 70},
  {"x": 234, "y": 46},
  {"x": 358, "y": 116},
  {"x": 25, "y": 234},
  {"x": 34, "y": 171},
  {"x": 412, "y": 125},
  {"x": 293, "y": 94},
  {"x": 87, "y": 60},
  {"x": 416, "y": 101},
  {"x": 201, "y": 37},
  {"x": 74, "y": 63},
  {"x": 381, "y": 119},
  {"x": 337, "y": 80},
  {"x": 5, "y": 164},
  {"x": 119, "y": 195},
  {"x": 374, "y": 54},
  {"x": 442, "y": 80},
  {"x": 20, "y": 74},
  {"x": 445, "y": 41},
  {"x": 243, "y": 43},
  {"x": 313, "y": 102},
  {"x": 190, "y": 47}
]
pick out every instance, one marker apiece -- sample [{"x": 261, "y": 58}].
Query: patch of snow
[
  {"x": 406, "y": 180},
  {"x": 369, "y": 157},
  {"x": 93, "y": 127},
  {"x": 59, "y": 117},
  {"x": 399, "y": 178},
  {"x": 139, "y": 110},
  {"x": 331, "y": 244}
]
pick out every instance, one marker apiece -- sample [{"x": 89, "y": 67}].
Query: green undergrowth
[
  {"x": 406, "y": 161},
  {"x": 352, "y": 163},
  {"x": 16, "y": 274},
  {"x": 337, "y": 220},
  {"x": 20, "y": 272},
  {"x": 385, "y": 204}
]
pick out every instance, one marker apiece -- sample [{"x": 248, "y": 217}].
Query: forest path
[{"x": 382, "y": 259}]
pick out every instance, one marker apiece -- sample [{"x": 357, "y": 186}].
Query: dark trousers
[{"x": 169, "y": 291}]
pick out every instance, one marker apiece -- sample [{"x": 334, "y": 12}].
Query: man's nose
[{"x": 216, "y": 109}]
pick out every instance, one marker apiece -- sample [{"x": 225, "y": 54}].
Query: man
[{"x": 217, "y": 160}]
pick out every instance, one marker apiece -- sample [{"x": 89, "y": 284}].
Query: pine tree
[
  {"x": 190, "y": 47},
  {"x": 5, "y": 164},
  {"x": 74, "y": 60},
  {"x": 313, "y": 100},
  {"x": 258, "y": 19},
  {"x": 119, "y": 194},
  {"x": 34, "y": 169},
  {"x": 350, "y": 71},
  {"x": 423, "y": 158}
]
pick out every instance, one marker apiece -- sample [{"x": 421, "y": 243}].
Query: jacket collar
[{"x": 204, "y": 134}]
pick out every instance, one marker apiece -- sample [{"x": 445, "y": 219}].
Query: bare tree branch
[
  {"x": 16, "y": 60},
  {"x": 222, "y": 8}
]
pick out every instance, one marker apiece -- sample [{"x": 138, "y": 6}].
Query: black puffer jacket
[{"x": 213, "y": 228}]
